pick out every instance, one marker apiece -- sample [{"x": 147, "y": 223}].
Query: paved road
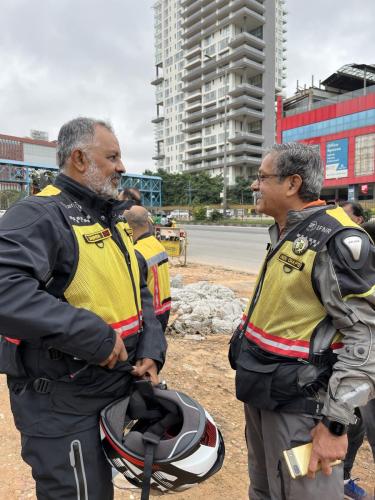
[{"x": 234, "y": 247}]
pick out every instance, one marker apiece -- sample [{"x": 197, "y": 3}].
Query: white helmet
[{"x": 161, "y": 439}]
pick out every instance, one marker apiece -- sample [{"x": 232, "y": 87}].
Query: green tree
[
  {"x": 241, "y": 192},
  {"x": 8, "y": 197},
  {"x": 199, "y": 213},
  {"x": 184, "y": 188}
]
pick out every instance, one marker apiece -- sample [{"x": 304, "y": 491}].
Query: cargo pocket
[
  {"x": 254, "y": 381},
  {"x": 285, "y": 387},
  {"x": 10, "y": 359}
]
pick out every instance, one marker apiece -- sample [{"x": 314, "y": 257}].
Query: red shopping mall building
[{"x": 338, "y": 118}]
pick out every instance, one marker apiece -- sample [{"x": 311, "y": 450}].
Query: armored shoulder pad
[
  {"x": 21, "y": 214},
  {"x": 352, "y": 246}
]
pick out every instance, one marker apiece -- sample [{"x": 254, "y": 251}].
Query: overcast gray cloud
[
  {"x": 63, "y": 58},
  {"x": 323, "y": 35}
]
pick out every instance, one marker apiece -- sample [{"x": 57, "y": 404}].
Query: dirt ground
[{"x": 200, "y": 369}]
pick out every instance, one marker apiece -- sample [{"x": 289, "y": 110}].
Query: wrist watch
[{"x": 334, "y": 427}]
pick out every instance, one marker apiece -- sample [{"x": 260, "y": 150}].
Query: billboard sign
[{"x": 337, "y": 159}]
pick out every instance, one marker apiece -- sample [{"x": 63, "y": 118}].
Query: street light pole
[{"x": 225, "y": 168}]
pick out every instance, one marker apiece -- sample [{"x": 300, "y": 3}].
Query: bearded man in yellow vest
[
  {"x": 76, "y": 318},
  {"x": 304, "y": 352},
  {"x": 153, "y": 262}
]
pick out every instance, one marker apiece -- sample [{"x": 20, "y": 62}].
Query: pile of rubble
[{"x": 202, "y": 308}]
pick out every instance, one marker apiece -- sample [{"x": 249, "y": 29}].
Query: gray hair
[
  {"x": 74, "y": 134},
  {"x": 296, "y": 158}
]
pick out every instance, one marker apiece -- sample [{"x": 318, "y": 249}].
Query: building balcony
[
  {"x": 190, "y": 3},
  {"x": 190, "y": 20},
  {"x": 246, "y": 88},
  {"x": 241, "y": 137},
  {"x": 193, "y": 63},
  {"x": 201, "y": 114},
  {"x": 254, "y": 55},
  {"x": 158, "y": 119},
  {"x": 244, "y": 160},
  {"x": 233, "y": 158},
  {"x": 194, "y": 96},
  {"x": 244, "y": 100},
  {"x": 159, "y": 156},
  {"x": 239, "y": 60},
  {"x": 192, "y": 138},
  {"x": 246, "y": 112},
  {"x": 193, "y": 29},
  {"x": 193, "y": 127},
  {"x": 209, "y": 20},
  {"x": 194, "y": 148},
  {"x": 246, "y": 38},
  {"x": 196, "y": 106},
  {"x": 190, "y": 6},
  {"x": 193, "y": 85},
  {"x": 189, "y": 42},
  {"x": 194, "y": 51},
  {"x": 158, "y": 80},
  {"x": 246, "y": 148},
  {"x": 257, "y": 9}
]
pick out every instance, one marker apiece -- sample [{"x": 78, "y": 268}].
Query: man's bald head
[{"x": 137, "y": 218}]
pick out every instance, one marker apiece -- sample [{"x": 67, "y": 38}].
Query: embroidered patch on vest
[
  {"x": 300, "y": 245},
  {"x": 97, "y": 236},
  {"x": 290, "y": 262}
]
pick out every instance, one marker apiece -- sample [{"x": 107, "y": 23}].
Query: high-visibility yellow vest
[
  {"x": 286, "y": 309},
  {"x": 105, "y": 279},
  {"x": 158, "y": 280}
]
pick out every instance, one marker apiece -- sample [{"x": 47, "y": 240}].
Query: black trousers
[{"x": 72, "y": 467}]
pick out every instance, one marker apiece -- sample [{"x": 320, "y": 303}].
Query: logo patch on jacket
[
  {"x": 300, "y": 245},
  {"x": 97, "y": 236}
]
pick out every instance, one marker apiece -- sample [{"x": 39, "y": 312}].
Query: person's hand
[
  {"x": 146, "y": 369},
  {"x": 118, "y": 354},
  {"x": 326, "y": 448}
]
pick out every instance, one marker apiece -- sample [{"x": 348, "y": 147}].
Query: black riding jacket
[{"x": 46, "y": 336}]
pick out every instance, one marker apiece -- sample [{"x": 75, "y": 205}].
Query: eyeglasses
[{"x": 261, "y": 177}]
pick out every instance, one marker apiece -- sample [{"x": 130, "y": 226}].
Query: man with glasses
[{"x": 304, "y": 351}]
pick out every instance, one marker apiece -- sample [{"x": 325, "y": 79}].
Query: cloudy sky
[{"x": 64, "y": 58}]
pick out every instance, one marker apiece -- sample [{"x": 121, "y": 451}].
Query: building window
[{"x": 364, "y": 154}]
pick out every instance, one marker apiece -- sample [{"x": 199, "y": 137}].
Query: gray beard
[{"x": 94, "y": 181}]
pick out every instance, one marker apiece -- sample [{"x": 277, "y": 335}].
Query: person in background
[
  {"x": 153, "y": 262},
  {"x": 355, "y": 211},
  {"x": 130, "y": 197},
  {"x": 77, "y": 321},
  {"x": 365, "y": 425}
]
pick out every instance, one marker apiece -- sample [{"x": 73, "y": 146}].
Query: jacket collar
[
  {"x": 294, "y": 218},
  {"x": 144, "y": 235},
  {"x": 86, "y": 197}
]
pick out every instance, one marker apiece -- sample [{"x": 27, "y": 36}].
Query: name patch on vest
[
  {"x": 97, "y": 236},
  {"x": 289, "y": 261}
]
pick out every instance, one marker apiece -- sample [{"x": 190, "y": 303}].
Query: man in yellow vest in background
[
  {"x": 153, "y": 262},
  {"x": 304, "y": 352}
]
